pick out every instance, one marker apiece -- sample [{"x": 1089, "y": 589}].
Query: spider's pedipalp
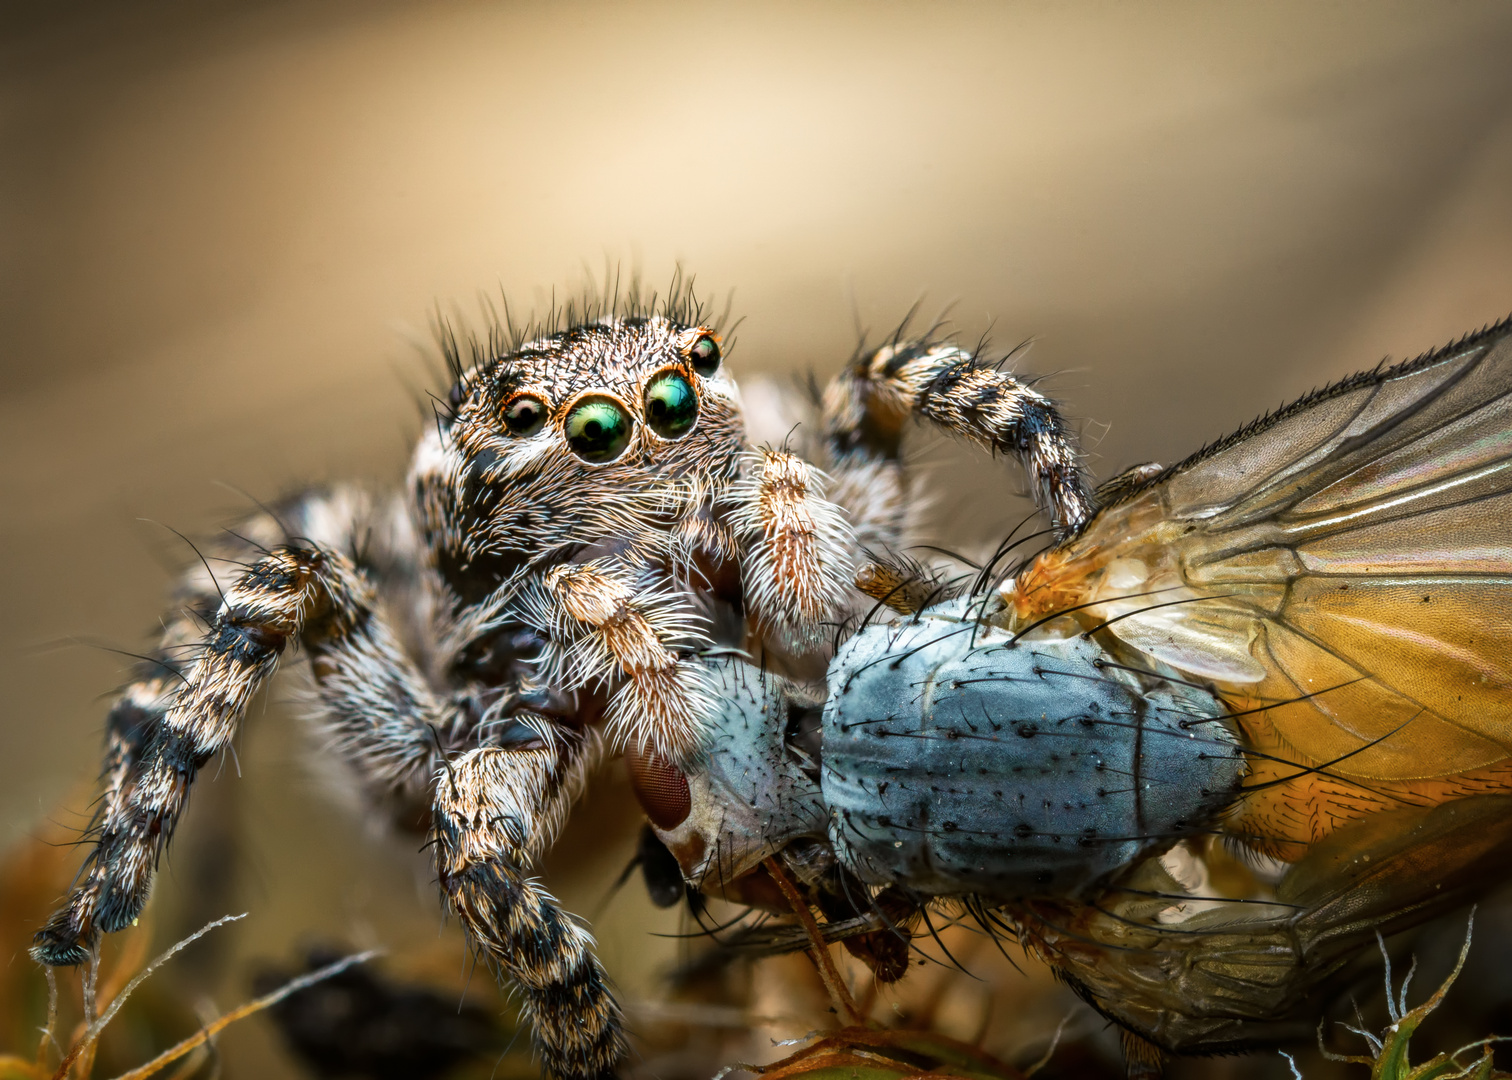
[
  {"x": 797, "y": 567},
  {"x": 615, "y": 625},
  {"x": 495, "y": 809},
  {"x": 867, "y": 404}
]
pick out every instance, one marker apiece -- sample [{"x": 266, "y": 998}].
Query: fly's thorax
[
  {"x": 956, "y": 761},
  {"x": 752, "y": 788}
]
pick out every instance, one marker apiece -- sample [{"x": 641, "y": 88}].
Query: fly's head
[{"x": 753, "y": 791}]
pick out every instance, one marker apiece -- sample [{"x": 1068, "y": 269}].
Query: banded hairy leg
[
  {"x": 866, "y": 406},
  {"x": 375, "y": 700},
  {"x": 495, "y": 812},
  {"x": 183, "y": 709}
]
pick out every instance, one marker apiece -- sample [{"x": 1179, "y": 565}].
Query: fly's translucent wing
[
  {"x": 1342, "y": 572},
  {"x": 1244, "y": 975}
]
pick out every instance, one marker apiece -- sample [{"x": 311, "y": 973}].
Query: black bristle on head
[{"x": 615, "y": 298}]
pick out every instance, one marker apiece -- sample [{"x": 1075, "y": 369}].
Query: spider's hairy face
[{"x": 596, "y": 440}]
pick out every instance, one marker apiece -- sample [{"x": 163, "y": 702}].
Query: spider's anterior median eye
[
  {"x": 705, "y": 355},
  {"x": 598, "y": 429},
  {"x": 671, "y": 405},
  {"x": 525, "y": 415}
]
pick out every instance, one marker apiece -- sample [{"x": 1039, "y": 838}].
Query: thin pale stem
[
  {"x": 209, "y": 1031},
  {"x": 830, "y": 974}
]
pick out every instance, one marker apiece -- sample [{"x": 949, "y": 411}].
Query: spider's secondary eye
[
  {"x": 671, "y": 405},
  {"x": 525, "y": 415},
  {"x": 705, "y": 355},
  {"x": 598, "y": 430}
]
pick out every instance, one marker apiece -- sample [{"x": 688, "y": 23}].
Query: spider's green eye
[
  {"x": 671, "y": 405},
  {"x": 525, "y": 415},
  {"x": 598, "y": 430},
  {"x": 705, "y": 355}
]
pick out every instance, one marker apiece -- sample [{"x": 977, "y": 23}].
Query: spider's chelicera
[{"x": 583, "y": 521}]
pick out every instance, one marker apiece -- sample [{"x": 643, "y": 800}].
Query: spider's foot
[{"x": 66, "y": 940}]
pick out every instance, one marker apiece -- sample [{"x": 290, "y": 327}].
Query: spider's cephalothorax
[
  {"x": 584, "y": 519},
  {"x": 593, "y": 491}
]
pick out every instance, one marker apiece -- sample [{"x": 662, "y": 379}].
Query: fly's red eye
[{"x": 660, "y": 786}]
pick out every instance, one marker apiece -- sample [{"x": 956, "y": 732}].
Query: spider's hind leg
[
  {"x": 179, "y": 714},
  {"x": 494, "y": 809},
  {"x": 218, "y": 647}
]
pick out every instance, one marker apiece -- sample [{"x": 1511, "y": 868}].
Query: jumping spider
[{"x": 585, "y": 517}]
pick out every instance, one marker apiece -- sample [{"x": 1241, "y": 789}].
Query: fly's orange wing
[{"x": 1341, "y": 572}]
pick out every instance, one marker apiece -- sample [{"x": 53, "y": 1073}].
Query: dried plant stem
[
  {"x": 91, "y": 983},
  {"x": 209, "y": 1031},
  {"x": 82, "y": 1052},
  {"x": 192, "y": 1063},
  {"x": 828, "y": 973},
  {"x": 50, "y": 1032},
  {"x": 1050, "y": 1050},
  {"x": 83, "y": 1048},
  {"x": 109, "y": 992}
]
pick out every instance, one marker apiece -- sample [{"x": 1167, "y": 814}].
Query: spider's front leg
[
  {"x": 494, "y": 810},
  {"x": 384, "y": 718},
  {"x": 867, "y": 405}
]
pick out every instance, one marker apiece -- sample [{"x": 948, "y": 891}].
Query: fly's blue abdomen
[{"x": 959, "y": 765}]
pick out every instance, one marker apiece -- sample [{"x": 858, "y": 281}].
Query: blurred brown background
[{"x": 224, "y": 228}]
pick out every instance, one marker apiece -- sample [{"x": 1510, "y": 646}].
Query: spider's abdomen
[{"x": 956, "y": 766}]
